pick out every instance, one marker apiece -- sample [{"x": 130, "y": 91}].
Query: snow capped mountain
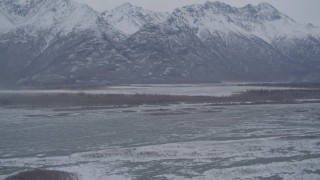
[
  {"x": 18, "y": 7},
  {"x": 129, "y": 19},
  {"x": 57, "y": 15},
  {"x": 263, "y": 21},
  {"x": 211, "y": 17},
  {"x": 53, "y": 40},
  {"x": 64, "y": 42},
  {"x": 273, "y": 25},
  {"x": 216, "y": 41}
]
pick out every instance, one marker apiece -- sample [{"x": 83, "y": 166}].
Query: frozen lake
[
  {"x": 166, "y": 89},
  {"x": 165, "y": 142}
]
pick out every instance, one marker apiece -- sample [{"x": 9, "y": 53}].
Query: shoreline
[{"x": 250, "y": 97}]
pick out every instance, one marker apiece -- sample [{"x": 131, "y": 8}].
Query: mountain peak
[
  {"x": 20, "y": 3},
  {"x": 61, "y": 16},
  {"x": 263, "y": 11},
  {"x": 218, "y": 5},
  {"x": 268, "y": 12},
  {"x": 129, "y": 18},
  {"x": 19, "y": 7},
  {"x": 265, "y": 5},
  {"x": 125, "y": 5},
  {"x": 17, "y": 2}
]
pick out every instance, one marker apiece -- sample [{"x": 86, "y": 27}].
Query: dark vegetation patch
[
  {"x": 156, "y": 110},
  {"x": 292, "y": 85},
  {"x": 63, "y": 114},
  {"x": 43, "y": 175},
  {"x": 189, "y": 109},
  {"x": 64, "y": 108},
  {"x": 169, "y": 113},
  {"x": 128, "y": 111},
  {"x": 60, "y": 100},
  {"x": 37, "y": 115},
  {"x": 210, "y": 111}
]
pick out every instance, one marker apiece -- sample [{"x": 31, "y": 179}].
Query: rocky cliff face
[{"x": 63, "y": 42}]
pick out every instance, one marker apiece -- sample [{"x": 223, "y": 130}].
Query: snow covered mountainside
[
  {"x": 53, "y": 41},
  {"x": 62, "y": 42},
  {"x": 214, "y": 41},
  {"x": 263, "y": 21},
  {"x": 129, "y": 19}
]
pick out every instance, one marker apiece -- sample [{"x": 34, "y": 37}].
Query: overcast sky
[{"x": 303, "y": 11}]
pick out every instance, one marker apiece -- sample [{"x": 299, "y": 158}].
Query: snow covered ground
[{"x": 182, "y": 141}]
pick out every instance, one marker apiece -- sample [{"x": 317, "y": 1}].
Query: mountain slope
[
  {"x": 129, "y": 19},
  {"x": 55, "y": 41},
  {"x": 61, "y": 42},
  {"x": 221, "y": 42}
]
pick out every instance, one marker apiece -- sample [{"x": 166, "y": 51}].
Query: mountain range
[{"x": 62, "y": 42}]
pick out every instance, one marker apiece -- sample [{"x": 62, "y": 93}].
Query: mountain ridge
[
  {"x": 129, "y": 18},
  {"x": 64, "y": 42}
]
